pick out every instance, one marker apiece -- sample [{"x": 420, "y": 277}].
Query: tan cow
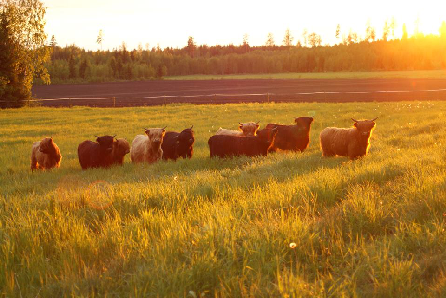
[
  {"x": 245, "y": 130},
  {"x": 147, "y": 148}
]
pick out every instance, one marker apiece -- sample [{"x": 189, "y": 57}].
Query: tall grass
[{"x": 223, "y": 227}]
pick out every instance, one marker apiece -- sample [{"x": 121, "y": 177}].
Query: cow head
[
  {"x": 365, "y": 127},
  {"x": 156, "y": 136},
  {"x": 120, "y": 147},
  {"x": 186, "y": 137},
  {"x": 268, "y": 135},
  {"x": 249, "y": 129},
  {"x": 304, "y": 122},
  {"x": 47, "y": 146},
  {"x": 106, "y": 143}
]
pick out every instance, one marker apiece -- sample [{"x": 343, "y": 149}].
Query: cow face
[
  {"x": 186, "y": 137},
  {"x": 365, "y": 127},
  {"x": 304, "y": 122},
  {"x": 156, "y": 136},
  {"x": 47, "y": 146},
  {"x": 121, "y": 147},
  {"x": 249, "y": 129},
  {"x": 268, "y": 135},
  {"x": 106, "y": 143}
]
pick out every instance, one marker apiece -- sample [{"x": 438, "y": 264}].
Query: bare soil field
[{"x": 142, "y": 93}]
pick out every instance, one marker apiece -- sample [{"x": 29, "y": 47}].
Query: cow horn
[
  {"x": 164, "y": 127},
  {"x": 191, "y": 126},
  {"x": 114, "y": 136},
  {"x": 96, "y": 136},
  {"x": 375, "y": 119},
  {"x": 257, "y": 122},
  {"x": 145, "y": 129},
  {"x": 354, "y": 120}
]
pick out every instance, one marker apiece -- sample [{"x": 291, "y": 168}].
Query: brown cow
[
  {"x": 352, "y": 142},
  {"x": 292, "y": 137},
  {"x": 45, "y": 155}
]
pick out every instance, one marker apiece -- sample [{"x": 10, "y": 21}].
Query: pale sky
[{"x": 170, "y": 23}]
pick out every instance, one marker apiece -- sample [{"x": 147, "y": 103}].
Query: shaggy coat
[
  {"x": 147, "y": 148},
  {"x": 292, "y": 137},
  {"x": 120, "y": 149},
  {"x": 178, "y": 144},
  {"x": 226, "y": 146},
  {"x": 245, "y": 130},
  {"x": 45, "y": 155},
  {"x": 352, "y": 142},
  {"x": 96, "y": 154}
]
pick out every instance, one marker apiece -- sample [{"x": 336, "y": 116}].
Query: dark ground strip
[{"x": 143, "y": 93}]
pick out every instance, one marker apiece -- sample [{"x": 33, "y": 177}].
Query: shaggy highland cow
[
  {"x": 178, "y": 144},
  {"x": 248, "y": 129},
  {"x": 96, "y": 154},
  {"x": 147, "y": 148},
  {"x": 352, "y": 142},
  {"x": 45, "y": 155},
  {"x": 292, "y": 137},
  {"x": 120, "y": 148},
  {"x": 227, "y": 146}
]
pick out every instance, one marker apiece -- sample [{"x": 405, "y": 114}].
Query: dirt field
[{"x": 236, "y": 91}]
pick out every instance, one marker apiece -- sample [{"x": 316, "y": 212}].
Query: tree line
[
  {"x": 73, "y": 64},
  {"x": 26, "y": 58}
]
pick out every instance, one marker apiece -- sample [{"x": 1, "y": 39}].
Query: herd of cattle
[{"x": 158, "y": 144}]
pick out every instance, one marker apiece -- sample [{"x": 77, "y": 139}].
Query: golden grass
[{"x": 215, "y": 227}]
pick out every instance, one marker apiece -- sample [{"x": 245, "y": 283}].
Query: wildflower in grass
[{"x": 293, "y": 245}]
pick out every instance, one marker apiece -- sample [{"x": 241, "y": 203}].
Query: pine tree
[
  {"x": 288, "y": 39},
  {"x": 270, "y": 40}
]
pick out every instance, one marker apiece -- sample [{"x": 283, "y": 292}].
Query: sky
[{"x": 170, "y": 23}]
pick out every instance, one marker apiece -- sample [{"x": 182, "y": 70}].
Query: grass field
[
  {"x": 214, "y": 227},
  {"x": 416, "y": 74}
]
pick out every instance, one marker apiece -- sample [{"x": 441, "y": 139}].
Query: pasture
[{"x": 289, "y": 224}]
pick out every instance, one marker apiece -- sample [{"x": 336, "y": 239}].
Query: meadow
[{"x": 285, "y": 225}]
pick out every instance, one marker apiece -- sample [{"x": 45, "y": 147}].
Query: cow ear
[
  {"x": 147, "y": 131},
  {"x": 240, "y": 125},
  {"x": 356, "y": 124}
]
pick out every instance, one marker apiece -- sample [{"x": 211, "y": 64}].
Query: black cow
[
  {"x": 178, "y": 144},
  {"x": 226, "y": 146},
  {"x": 292, "y": 137},
  {"x": 96, "y": 154}
]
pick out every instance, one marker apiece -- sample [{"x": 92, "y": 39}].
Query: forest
[{"x": 72, "y": 64}]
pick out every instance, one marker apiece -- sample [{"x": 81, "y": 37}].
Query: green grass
[
  {"x": 417, "y": 74},
  {"x": 214, "y": 227}
]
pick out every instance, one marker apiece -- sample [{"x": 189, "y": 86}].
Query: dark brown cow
[
  {"x": 178, "y": 144},
  {"x": 292, "y": 137},
  {"x": 227, "y": 146},
  {"x": 96, "y": 154}
]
